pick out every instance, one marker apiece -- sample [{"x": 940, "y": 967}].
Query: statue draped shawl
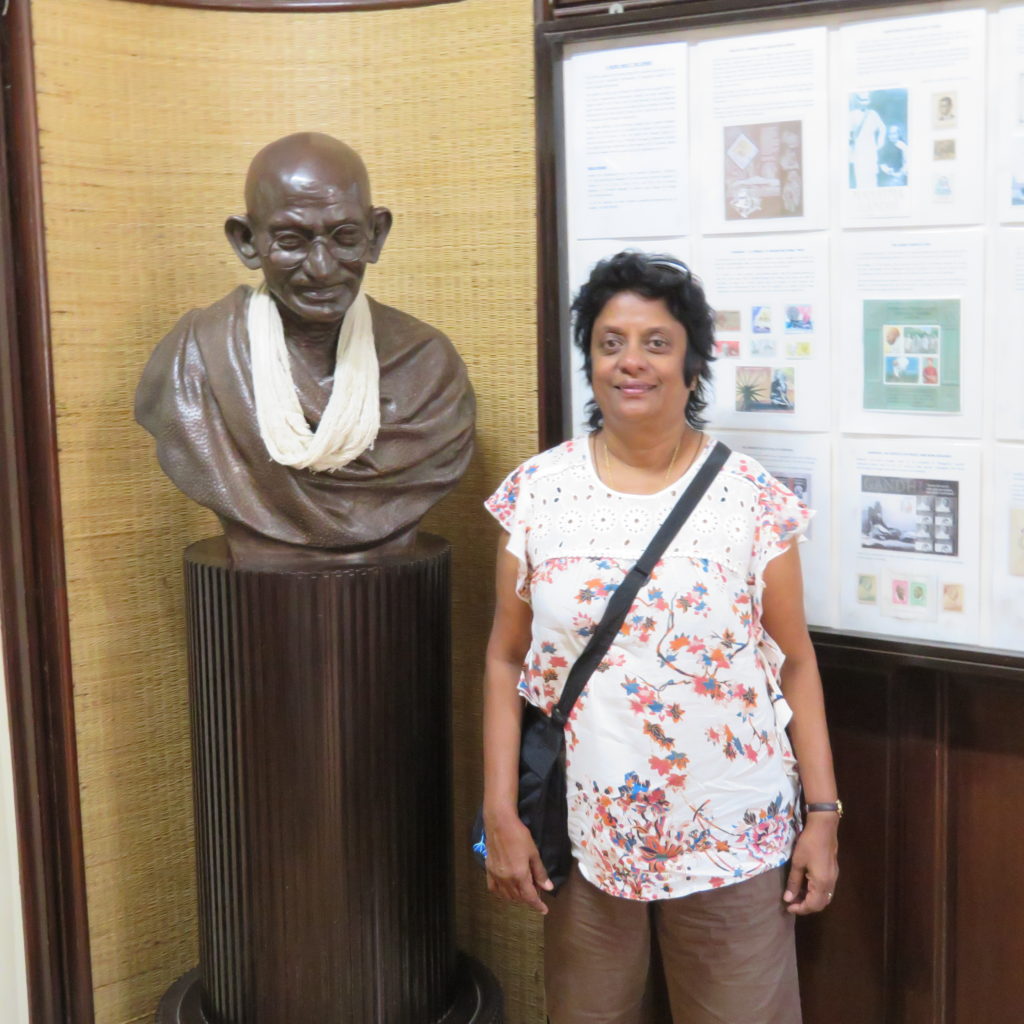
[{"x": 196, "y": 399}]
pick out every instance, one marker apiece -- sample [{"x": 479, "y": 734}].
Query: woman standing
[{"x": 682, "y": 785}]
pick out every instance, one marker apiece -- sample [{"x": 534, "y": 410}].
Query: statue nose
[{"x": 319, "y": 262}]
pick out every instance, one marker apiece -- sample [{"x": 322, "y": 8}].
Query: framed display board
[{"x": 849, "y": 186}]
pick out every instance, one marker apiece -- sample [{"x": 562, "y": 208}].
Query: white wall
[{"x": 13, "y": 984}]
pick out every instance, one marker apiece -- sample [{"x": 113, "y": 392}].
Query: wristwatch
[{"x": 834, "y": 808}]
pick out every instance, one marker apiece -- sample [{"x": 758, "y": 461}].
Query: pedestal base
[
  {"x": 321, "y": 728},
  {"x": 478, "y": 999}
]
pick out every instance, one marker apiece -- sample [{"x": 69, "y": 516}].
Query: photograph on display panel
[
  {"x": 799, "y": 319},
  {"x": 765, "y": 389},
  {"x": 727, "y": 320},
  {"x": 912, "y": 355},
  {"x": 763, "y": 170},
  {"x": 909, "y": 515},
  {"x": 944, "y": 109},
  {"x": 878, "y": 138}
]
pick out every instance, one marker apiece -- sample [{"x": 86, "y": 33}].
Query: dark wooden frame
[
  {"x": 33, "y": 601},
  {"x": 554, "y": 30},
  {"x": 293, "y": 6},
  {"x": 926, "y": 736}
]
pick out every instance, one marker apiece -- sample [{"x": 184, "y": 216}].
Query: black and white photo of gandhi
[
  {"x": 782, "y": 388},
  {"x": 897, "y": 514},
  {"x": 877, "y": 140},
  {"x": 944, "y": 109},
  {"x": 763, "y": 170}
]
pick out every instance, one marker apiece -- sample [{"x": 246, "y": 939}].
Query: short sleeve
[
  {"x": 509, "y": 504},
  {"x": 782, "y": 517}
]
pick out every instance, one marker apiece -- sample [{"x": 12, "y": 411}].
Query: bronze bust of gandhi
[{"x": 303, "y": 412}]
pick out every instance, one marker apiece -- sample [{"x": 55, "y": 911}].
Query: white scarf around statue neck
[{"x": 352, "y": 418}]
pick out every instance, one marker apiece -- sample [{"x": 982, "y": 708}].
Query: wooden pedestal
[{"x": 321, "y": 747}]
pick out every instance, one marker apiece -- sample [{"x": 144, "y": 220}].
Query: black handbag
[{"x": 543, "y": 803}]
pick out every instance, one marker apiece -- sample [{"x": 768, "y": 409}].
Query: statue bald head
[
  {"x": 309, "y": 225},
  {"x": 300, "y": 162}
]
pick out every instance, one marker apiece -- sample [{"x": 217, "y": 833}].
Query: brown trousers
[{"x": 729, "y": 955}]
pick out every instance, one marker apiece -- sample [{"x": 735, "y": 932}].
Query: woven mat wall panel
[{"x": 149, "y": 116}]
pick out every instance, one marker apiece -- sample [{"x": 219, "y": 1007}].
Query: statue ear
[
  {"x": 381, "y": 217},
  {"x": 239, "y": 233}
]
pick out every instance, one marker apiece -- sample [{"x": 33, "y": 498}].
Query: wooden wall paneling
[
  {"x": 844, "y": 962},
  {"x": 928, "y": 855},
  {"x": 920, "y": 842},
  {"x": 985, "y": 883},
  {"x": 33, "y": 601}
]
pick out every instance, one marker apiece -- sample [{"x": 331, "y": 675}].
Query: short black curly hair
[{"x": 652, "y": 276}]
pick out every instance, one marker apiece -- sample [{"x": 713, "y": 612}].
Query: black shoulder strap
[{"x": 622, "y": 600}]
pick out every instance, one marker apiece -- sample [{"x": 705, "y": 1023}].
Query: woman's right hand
[{"x": 514, "y": 869}]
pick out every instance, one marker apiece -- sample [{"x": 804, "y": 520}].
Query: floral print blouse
[{"x": 680, "y": 774}]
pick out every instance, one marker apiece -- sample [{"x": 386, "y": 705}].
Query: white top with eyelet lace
[{"x": 680, "y": 774}]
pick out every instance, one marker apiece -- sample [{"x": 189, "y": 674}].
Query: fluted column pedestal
[{"x": 320, "y": 701}]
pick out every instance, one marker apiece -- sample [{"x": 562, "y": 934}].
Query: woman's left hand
[{"x": 814, "y": 868}]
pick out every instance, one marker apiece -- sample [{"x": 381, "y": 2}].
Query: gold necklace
[{"x": 668, "y": 469}]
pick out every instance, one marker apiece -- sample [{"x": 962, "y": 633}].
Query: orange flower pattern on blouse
[{"x": 680, "y": 774}]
